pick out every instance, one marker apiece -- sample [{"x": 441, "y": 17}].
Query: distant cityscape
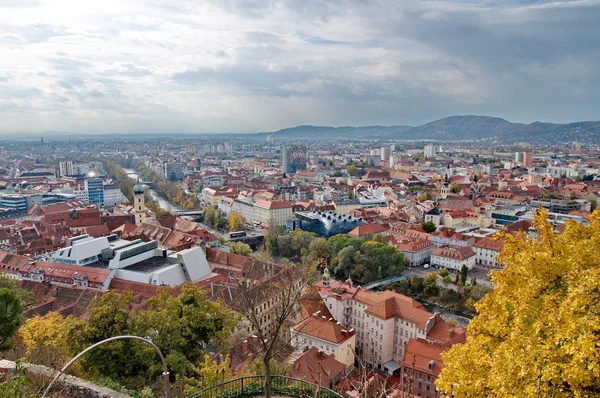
[{"x": 93, "y": 215}]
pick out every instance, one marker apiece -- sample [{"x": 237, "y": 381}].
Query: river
[
  {"x": 162, "y": 201},
  {"x": 446, "y": 314}
]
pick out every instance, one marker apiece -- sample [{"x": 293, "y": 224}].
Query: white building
[
  {"x": 272, "y": 212},
  {"x": 327, "y": 335},
  {"x": 384, "y": 322},
  {"x": 453, "y": 257},
  {"x": 136, "y": 261},
  {"x": 65, "y": 168},
  {"x": 429, "y": 151},
  {"x": 113, "y": 195},
  {"x": 487, "y": 250}
]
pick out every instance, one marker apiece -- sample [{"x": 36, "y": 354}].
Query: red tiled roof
[
  {"x": 323, "y": 328},
  {"x": 368, "y": 229}
]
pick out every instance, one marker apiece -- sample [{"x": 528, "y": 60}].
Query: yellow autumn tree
[
  {"x": 237, "y": 222},
  {"x": 209, "y": 373},
  {"x": 46, "y": 339},
  {"x": 538, "y": 333}
]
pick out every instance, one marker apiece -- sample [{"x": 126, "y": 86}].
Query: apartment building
[
  {"x": 272, "y": 212},
  {"x": 384, "y": 322},
  {"x": 325, "y": 334},
  {"x": 453, "y": 257},
  {"x": 487, "y": 250},
  {"x": 416, "y": 251}
]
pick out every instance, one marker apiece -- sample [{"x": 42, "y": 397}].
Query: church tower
[
  {"x": 139, "y": 207},
  {"x": 326, "y": 277}
]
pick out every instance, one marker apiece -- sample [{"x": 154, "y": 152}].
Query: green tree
[
  {"x": 454, "y": 188},
  {"x": 463, "y": 274},
  {"x": 240, "y": 248},
  {"x": 340, "y": 241},
  {"x": 172, "y": 177},
  {"x": 444, "y": 272},
  {"x": 430, "y": 287},
  {"x": 352, "y": 170},
  {"x": 11, "y": 316},
  {"x": 428, "y": 227},
  {"x": 284, "y": 174}
]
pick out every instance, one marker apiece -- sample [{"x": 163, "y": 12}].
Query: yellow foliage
[
  {"x": 208, "y": 373},
  {"x": 46, "y": 338},
  {"x": 237, "y": 222},
  {"x": 538, "y": 332}
]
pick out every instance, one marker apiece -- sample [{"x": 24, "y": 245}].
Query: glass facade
[{"x": 95, "y": 191}]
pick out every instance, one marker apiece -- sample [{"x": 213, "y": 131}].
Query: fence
[{"x": 252, "y": 386}]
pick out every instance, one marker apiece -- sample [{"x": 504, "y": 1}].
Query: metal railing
[{"x": 252, "y": 386}]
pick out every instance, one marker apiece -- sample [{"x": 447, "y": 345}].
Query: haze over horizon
[{"x": 232, "y": 66}]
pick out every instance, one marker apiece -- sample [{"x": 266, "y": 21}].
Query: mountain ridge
[{"x": 457, "y": 128}]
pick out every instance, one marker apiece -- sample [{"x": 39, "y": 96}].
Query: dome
[{"x": 138, "y": 188}]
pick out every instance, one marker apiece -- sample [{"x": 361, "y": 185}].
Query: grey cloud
[
  {"x": 252, "y": 78},
  {"x": 128, "y": 69}
]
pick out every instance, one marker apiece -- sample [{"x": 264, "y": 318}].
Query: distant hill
[
  {"x": 457, "y": 128},
  {"x": 326, "y": 132}
]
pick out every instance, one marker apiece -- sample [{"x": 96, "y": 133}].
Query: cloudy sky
[{"x": 127, "y": 66}]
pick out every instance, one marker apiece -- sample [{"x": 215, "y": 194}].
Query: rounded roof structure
[{"x": 138, "y": 188}]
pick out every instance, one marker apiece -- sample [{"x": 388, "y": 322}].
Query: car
[{"x": 426, "y": 266}]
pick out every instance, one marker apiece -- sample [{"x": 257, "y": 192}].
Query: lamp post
[{"x": 165, "y": 374}]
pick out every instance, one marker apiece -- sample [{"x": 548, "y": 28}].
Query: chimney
[{"x": 245, "y": 346}]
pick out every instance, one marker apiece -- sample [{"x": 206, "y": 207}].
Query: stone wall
[{"x": 68, "y": 386}]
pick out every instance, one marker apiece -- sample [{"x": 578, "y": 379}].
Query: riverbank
[{"x": 163, "y": 202}]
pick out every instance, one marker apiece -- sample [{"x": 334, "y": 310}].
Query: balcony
[{"x": 253, "y": 386}]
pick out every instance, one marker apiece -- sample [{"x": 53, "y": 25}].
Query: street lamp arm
[{"x": 162, "y": 358}]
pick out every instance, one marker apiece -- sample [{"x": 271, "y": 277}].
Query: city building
[
  {"x": 327, "y": 335},
  {"x": 384, "y": 322},
  {"x": 328, "y": 223},
  {"x": 113, "y": 195},
  {"x": 13, "y": 201},
  {"x": 385, "y": 153},
  {"x": 272, "y": 212},
  {"x": 416, "y": 251},
  {"x": 285, "y": 159},
  {"x": 429, "y": 151},
  {"x": 487, "y": 250},
  {"x": 453, "y": 257},
  {"x": 65, "y": 169},
  {"x": 139, "y": 204},
  {"x": 95, "y": 190},
  {"x": 421, "y": 365},
  {"x": 174, "y": 171},
  {"x": 527, "y": 159}
]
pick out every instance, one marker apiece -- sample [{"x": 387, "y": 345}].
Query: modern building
[
  {"x": 453, "y": 257},
  {"x": 385, "y": 153},
  {"x": 65, "y": 168},
  {"x": 429, "y": 151},
  {"x": 285, "y": 159},
  {"x": 13, "y": 201},
  {"x": 136, "y": 261},
  {"x": 518, "y": 157},
  {"x": 328, "y": 223},
  {"x": 527, "y": 159},
  {"x": 95, "y": 190},
  {"x": 113, "y": 195},
  {"x": 174, "y": 171}
]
